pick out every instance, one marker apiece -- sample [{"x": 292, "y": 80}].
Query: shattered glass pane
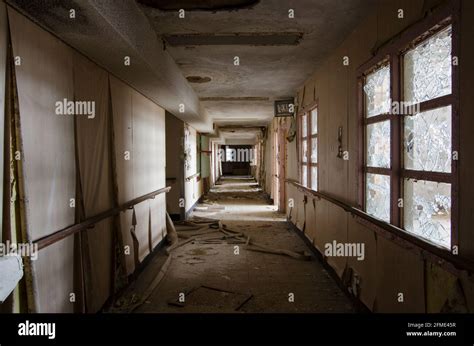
[
  {"x": 314, "y": 178},
  {"x": 427, "y": 68},
  {"x": 304, "y": 175},
  {"x": 427, "y": 210},
  {"x": 305, "y": 150},
  {"x": 377, "y": 92},
  {"x": 304, "y": 125},
  {"x": 314, "y": 121},
  {"x": 427, "y": 142},
  {"x": 314, "y": 150},
  {"x": 377, "y": 200},
  {"x": 378, "y": 144}
]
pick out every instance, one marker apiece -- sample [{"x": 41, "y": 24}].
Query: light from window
[
  {"x": 304, "y": 126},
  {"x": 378, "y": 144},
  {"x": 377, "y": 97},
  {"x": 378, "y": 196},
  {"x": 427, "y": 138},
  {"x": 427, "y": 141},
  {"x": 428, "y": 210},
  {"x": 314, "y": 150},
  {"x": 304, "y": 176},
  {"x": 314, "y": 178},
  {"x": 314, "y": 121},
  {"x": 305, "y": 150},
  {"x": 308, "y": 140},
  {"x": 377, "y": 92},
  {"x": 427, "y": 68}
]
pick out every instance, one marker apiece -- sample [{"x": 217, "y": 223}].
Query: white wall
[
  {"x": 192, "y": 185},
  {"x": 58, "y": 152}
]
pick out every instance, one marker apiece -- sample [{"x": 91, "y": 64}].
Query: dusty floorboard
[{"x": 215, "y": 277}]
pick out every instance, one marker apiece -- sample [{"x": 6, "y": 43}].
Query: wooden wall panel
[
  {"x": 291, "y": 195},
  {"x": 337, "y": 227},
  {"x": 300, "y": 211},
  {"x": 322, "y": 230},
  {"x": 439, "y": 285},
  {"x": 358, "y": 51},
  {"x": 337, "y": 116},
  {"x": 366, "y": 268},
  {"x": 399, "y": 271},
  {"x": 310, "y": 218}
]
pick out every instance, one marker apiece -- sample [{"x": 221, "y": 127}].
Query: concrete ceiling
[
  {"x": 240, "y": 134},
  {"x": 267, "y": 70},
  {"x": 109, "y": 31}
]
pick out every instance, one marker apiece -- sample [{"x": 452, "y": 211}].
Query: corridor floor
[{"x": 225, "y": 277}]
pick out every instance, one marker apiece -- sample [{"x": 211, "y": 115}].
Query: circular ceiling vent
[{"x": 198, "y": 79}]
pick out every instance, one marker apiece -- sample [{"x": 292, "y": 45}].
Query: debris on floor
[
  {"x": 207, "y": 295},
  {"x": 200, "y": 230},
  {"x": 242, "y": 258}
]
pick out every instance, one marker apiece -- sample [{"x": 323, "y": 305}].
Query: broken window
[
  {"x": 428, "y": 210},
  {"x": 377, "y": 130},
  {"x": 378, "y": 196},
  {"x": 378, "y": 144},
  {"x": 309, "y": 149},
  {"x": 410, "y": 156},
  {"x": 377, "y": 92},
  {"x": 427, "y": 68},
  {"x": 428, "y": 139}
]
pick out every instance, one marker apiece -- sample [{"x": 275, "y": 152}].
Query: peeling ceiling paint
[
  {"x": 240, "y": 91},
  {"x": 270, "y": 72}
]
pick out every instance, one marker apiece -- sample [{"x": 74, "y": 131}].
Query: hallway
[
  {"x": 237, "y": 156},
  {"x": 215, "y": 278}
]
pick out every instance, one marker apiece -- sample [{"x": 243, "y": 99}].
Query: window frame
[
  {"x": 393, "y": 54},
  {"x": 376, "y": 119},
  {"x": 309, "y": 138}
]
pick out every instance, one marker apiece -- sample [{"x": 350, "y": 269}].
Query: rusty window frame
[{"x": 447, "y": 15}]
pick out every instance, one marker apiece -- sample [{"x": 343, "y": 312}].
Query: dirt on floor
[{"x": 250, "y": 261}]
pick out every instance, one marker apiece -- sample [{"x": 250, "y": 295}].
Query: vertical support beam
[
  {"x": 7, "y": 306},
  {"x": 4, "y": 139},
  {"x": 396, "y": 143}
]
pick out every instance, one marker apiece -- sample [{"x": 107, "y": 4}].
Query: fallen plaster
[{"x": 215, "y": 268}]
